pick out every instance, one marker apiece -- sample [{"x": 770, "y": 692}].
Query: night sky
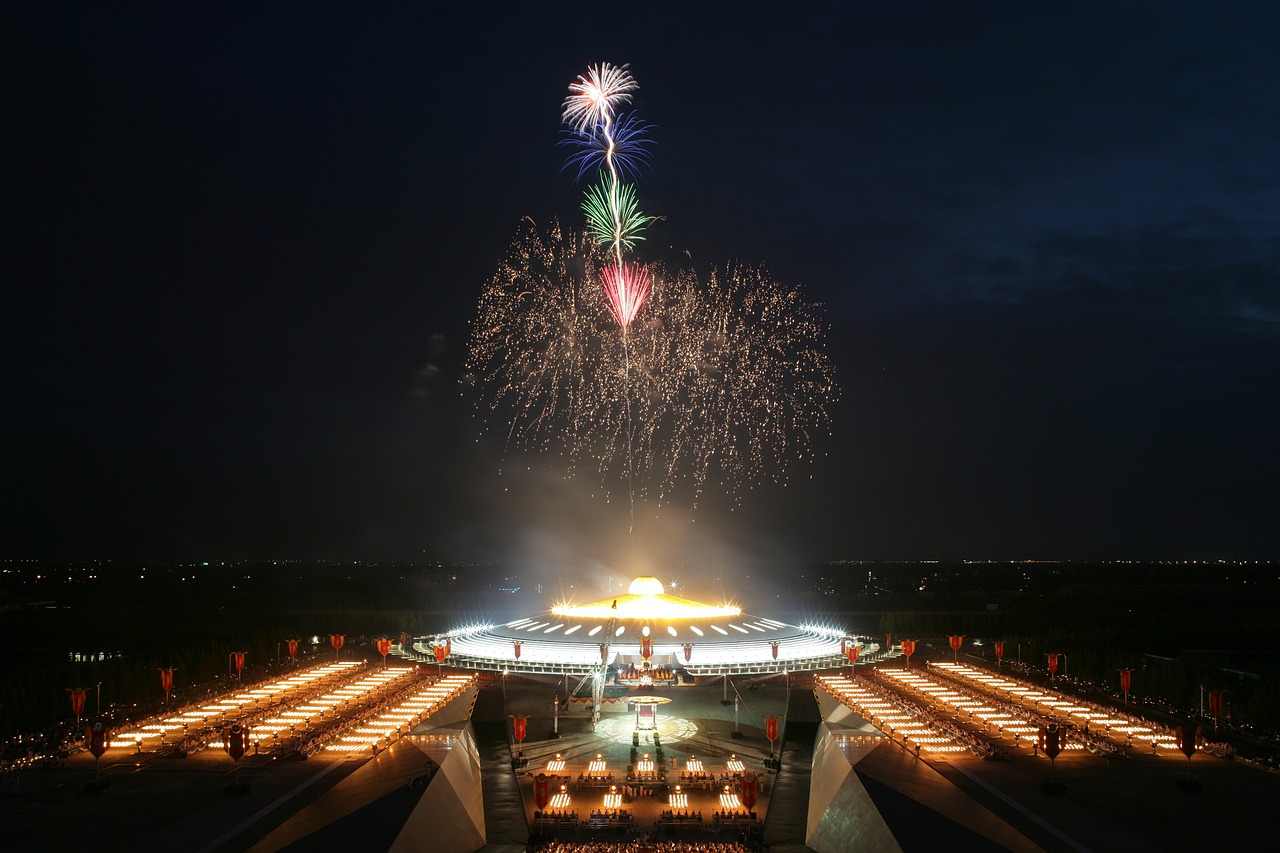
[{"x": 243, "y": 245}]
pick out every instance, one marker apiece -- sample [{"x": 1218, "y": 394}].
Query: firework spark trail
[
  {"x": 729, "y": 378},
  {"x": 613, "y": 215},
  {"x": 725, "y": 378}
]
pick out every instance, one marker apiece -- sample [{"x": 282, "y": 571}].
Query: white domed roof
[{"x": 646, "y": 586}]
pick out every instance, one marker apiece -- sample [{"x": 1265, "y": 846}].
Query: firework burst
[
  {"x": 727, "y": 376},
  {"x": 594, "y": 98},
  {"x": 721, "y": 380}
]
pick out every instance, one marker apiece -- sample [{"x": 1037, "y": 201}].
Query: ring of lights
[{"x": 695, "y": 638}]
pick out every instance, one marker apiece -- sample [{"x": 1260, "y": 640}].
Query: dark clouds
[{"x": 245, "y": 245}]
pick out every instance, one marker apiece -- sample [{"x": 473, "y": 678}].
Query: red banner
[
  {"x": 516, "y": 645},
  {"x": 448, "y": 646},
  {"x": 1215, "y": 703},
  {"x": 1126, "y": 679},
  {"x": 771, "y": 728},
  {"x": 293, "y": 648},
  {"x": 77, "y": 700},
  {"x": 1051, "y": 741},
  {"x": 957, "y": 640},
  {"x": 404, "y": 641},
  {"x": 852, "y": 652},
  {"x": 99, "y": 738},
  {"x": 239, "y": 658},
  {"x": 235, "y": 742},
  {"x": 541, "y": 794},
  {"x": 688, "y": 651},
  {"x": 748, "y": 792},
  {"x": 646, "y": 647},
  {"x": 999, "y": 649},
  {"x": 384, "y": 647},
  {"x": 520, "y": 725},
  {"x": 166, "y": 678},
  {"x": 1187, "y": 739},
  {"x": 774, "y": 647},
  {"x": 888, "y": 643},
  {"x": 1053, "y": 662},
  {"x": 336, "y": 640},
  {"x": 441, "y": 651},
  {"x": 908, "y": 648},
  {"x": 844, "y": 645}
]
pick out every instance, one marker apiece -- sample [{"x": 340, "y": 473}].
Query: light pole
[{"x": 98, "y": 702}]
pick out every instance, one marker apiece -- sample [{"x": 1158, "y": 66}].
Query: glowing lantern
[
  {"x": 520, "y": 725},
  {"x": 516, "y": 643},
  {"x": 688, "y": 651},
  {"x": 235, "y": 742},
  {"x": 748, "y": 793},
  {"x": 541, "y": 794}
]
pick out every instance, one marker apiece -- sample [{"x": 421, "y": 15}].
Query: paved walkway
[{"x": 504, "y": 814}]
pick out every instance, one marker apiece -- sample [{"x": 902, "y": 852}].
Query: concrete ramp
[
  {"x": 505, "y": 824},
  {"x": 867, "y": 793},
  {"x": 788, "y": 817}
]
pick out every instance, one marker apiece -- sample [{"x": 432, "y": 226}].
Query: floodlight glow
[{"x": 646, "y": 599}]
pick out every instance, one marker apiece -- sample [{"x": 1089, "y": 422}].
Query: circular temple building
[{"x": 645, "y": 636}]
